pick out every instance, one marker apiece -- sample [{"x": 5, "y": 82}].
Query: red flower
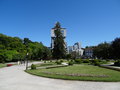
[{"x": 9, "y": 65}]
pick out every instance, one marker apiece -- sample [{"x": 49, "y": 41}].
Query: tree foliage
[
  {"x": 108, "y": 50},
  {"x": 59, "y": 50},
  {"x": 14, "y": 49},
  {"x": 102, "y": 51},
  {"x": 116, "y": 48}
]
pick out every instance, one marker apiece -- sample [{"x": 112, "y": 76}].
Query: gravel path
[{"x": 14, "y": 78}]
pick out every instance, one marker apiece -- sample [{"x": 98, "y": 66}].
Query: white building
[
  {"x": 70, "y": 49},
  {"x": 89, "y": 52},
  {"x": 76, "y": 48}
]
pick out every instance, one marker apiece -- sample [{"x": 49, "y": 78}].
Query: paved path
[{"x": 14, "y": 78}]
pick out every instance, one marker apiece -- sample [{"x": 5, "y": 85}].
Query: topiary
[
  {"x": 61, "y": 60},
  {"x": 45, "y": 61},
  {"x": 104, "y": 62},
  {"x": 50, "y": 60},
  {"x": 58, "y": 62},
  {"x": 117, "y": 63},
  {"x": 70, "y": 63},
  {"x": 86, "y": 61},
  {"x": 78, "y": 61},
  {"x": 33, "y": 66},
  {"x": 95, "y": 62}
]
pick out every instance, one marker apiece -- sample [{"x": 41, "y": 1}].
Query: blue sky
[{"x": 87, "y": 21}]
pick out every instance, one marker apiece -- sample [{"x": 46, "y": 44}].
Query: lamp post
[
  {"x": 27, "y": 61},
  {"x": 27, "y": 57}
]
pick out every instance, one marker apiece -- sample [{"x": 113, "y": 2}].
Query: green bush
[
  {"x": 78, "y": 61},
  {"x": 86, "y": 61},
  {"x": 70, "y": 63},
  {"x": 51, "y": 61},
  {"x": 33, "y": 66},
  {"x": 104, "y": 62},
  {"x": 58, "y": 62},
  {"x": 45, "y": 61},
  {"x": 61, "y": 60},
  {"x": 117, "y": 63},
  {"x": 95, "y": 62}
]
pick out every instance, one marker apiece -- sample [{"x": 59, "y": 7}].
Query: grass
[
  {"x": 113, "y": 76},
  {"x": 2, "y": 65}
]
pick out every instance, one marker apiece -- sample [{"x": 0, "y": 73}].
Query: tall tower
[{"x": 63, "y": 31}]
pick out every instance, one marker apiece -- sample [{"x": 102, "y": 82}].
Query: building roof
[{"x": 88, "y": 48}]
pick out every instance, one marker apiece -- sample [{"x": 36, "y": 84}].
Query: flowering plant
[{"x": 9, "y": 65}]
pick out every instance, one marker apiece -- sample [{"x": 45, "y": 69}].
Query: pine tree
[{"x": 59, "y": 50}]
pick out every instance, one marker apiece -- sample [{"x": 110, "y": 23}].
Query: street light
[{"x": 27, "y": 61}]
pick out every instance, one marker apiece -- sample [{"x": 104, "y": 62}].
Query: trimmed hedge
[
  {"x": 58, "y": 62},
  {"x": 78, "y": 61},
  {"x": 33, "y": 66},
  {"x": 110, "y": 67},
  {"x": 70, "y": 63},
  {"x": 86, "y": 61},
  {"x": 117, "y": 63},
  {"x": 57, "y": 66},
  {"x": 95, "y": 62}
]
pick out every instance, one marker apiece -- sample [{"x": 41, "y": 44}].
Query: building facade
[
  {"x": 89, "y": 52},
  {"x": 76, "y": 48}
]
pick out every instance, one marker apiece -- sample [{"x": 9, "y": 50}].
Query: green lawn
[
  {"x": 2, "y": 65},
  {"x": 78, "y": 69}
]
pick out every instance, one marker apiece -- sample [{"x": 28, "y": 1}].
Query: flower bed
[{"x": 8, "y": 65}]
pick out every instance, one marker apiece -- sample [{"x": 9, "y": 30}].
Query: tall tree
[
  {"x": 116, "y": 48},
  {"x": 102, "y": 51},
  {"x": 59, "y": 50},
  {"x": 27, "y": 41}
]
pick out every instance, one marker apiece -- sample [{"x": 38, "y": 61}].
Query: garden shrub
[
  {"x": 72, "y": 60},
  {"x": 103, "y": 62},
  {"x": 95, "y": 62},
  {"x": 70, "y": 63},
  {"x": 50, "y": 60},
  {"x": 33, "y": 66},
  {"x": 61, "y": 60},
  {"x": 78, "y": 61},
  {"x": 45, "y": 61},
  {"x": 86, "y": 61},
  {"x": 58, "y": 62},
  {"x": 117, "y": 63}
]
